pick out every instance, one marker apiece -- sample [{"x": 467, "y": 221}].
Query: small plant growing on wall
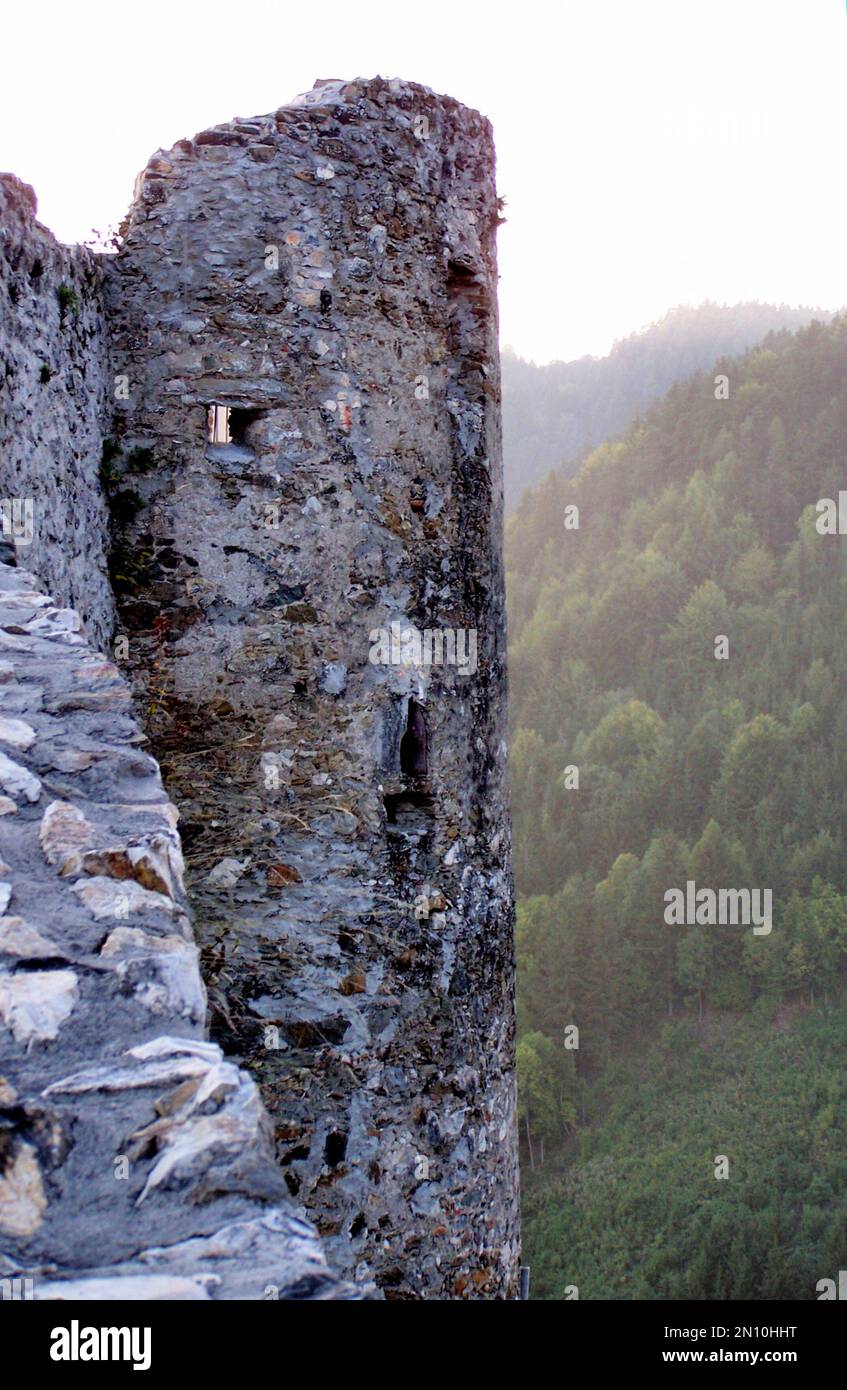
[
  {"x": 124, "y": 502},
  {"x": 141, "y": 461},
  {"x": 68, "y": 301},
  {"x": 138, "y": 460},
  {"x": 109, "y": 474}
]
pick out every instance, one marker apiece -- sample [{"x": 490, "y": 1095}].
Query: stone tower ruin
[{"x": 303, "y": 471}]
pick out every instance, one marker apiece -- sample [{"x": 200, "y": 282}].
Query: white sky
[{"x": 652, "y": 152}]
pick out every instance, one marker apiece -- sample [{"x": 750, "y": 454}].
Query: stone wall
[
  {"x": 54, "y": 396},
  {"x": 326, "y": 277},
  {"x": 318, "y": 288},
  {"x": 135, "y": 1161}
]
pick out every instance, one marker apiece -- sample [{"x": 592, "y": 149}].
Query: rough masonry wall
[
  {"x": 54, "y": 399},
  {"x": 135, "y": 1161},
  {"x": 327, "y": 274}
]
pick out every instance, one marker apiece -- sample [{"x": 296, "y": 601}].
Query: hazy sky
[{"x": 651, "y": 152}]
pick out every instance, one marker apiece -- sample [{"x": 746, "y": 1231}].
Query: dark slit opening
[{"x": 413, "y": 743}]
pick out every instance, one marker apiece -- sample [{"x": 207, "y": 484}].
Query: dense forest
[
  {"x": 635, "y": 1212},
  {"x": 553, "y": 414},
  {"x": 678, "y": 620}
]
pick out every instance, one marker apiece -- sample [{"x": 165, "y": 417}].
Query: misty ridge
[{"x": 553, "y": 415}]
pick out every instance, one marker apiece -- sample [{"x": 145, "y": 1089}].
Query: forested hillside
[
  {"x": 679, "y": 654},
  {"x": 634, "y": 1211},
  {"x": 552, "y": 414}
]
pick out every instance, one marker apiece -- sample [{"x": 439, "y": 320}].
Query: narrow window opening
[
  {"x": 335, "y": 1148},
  {"x": 219, "y": 424},
  {"x": 229, "y": 424},
  {"x": 240, "y": 421},
  {"x": 413, "y": 743}
]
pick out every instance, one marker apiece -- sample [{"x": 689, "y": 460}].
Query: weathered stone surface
[
  {"x": 163, "y": 971},
  {"x": 22, "y": 1199},
  {"x": 34, "y": 1006},
  {"x": 18, "y": 938},
  {"x": 130, "y": 1287},
  {"x": 227, "y": 873},
  {"x": 53, "y": 409},
  {"x": 327, "y": 275},
  {"x": 155, "y": 863},
  {"x": 121, "y": 1128},
  {"x": 108, "y": 897},
  {"x": 18, "y": 781},
  {"x": 17, "y": 733},
  {"x": 273, "y": 1256},
  {"x": 63, "y": 835}
]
